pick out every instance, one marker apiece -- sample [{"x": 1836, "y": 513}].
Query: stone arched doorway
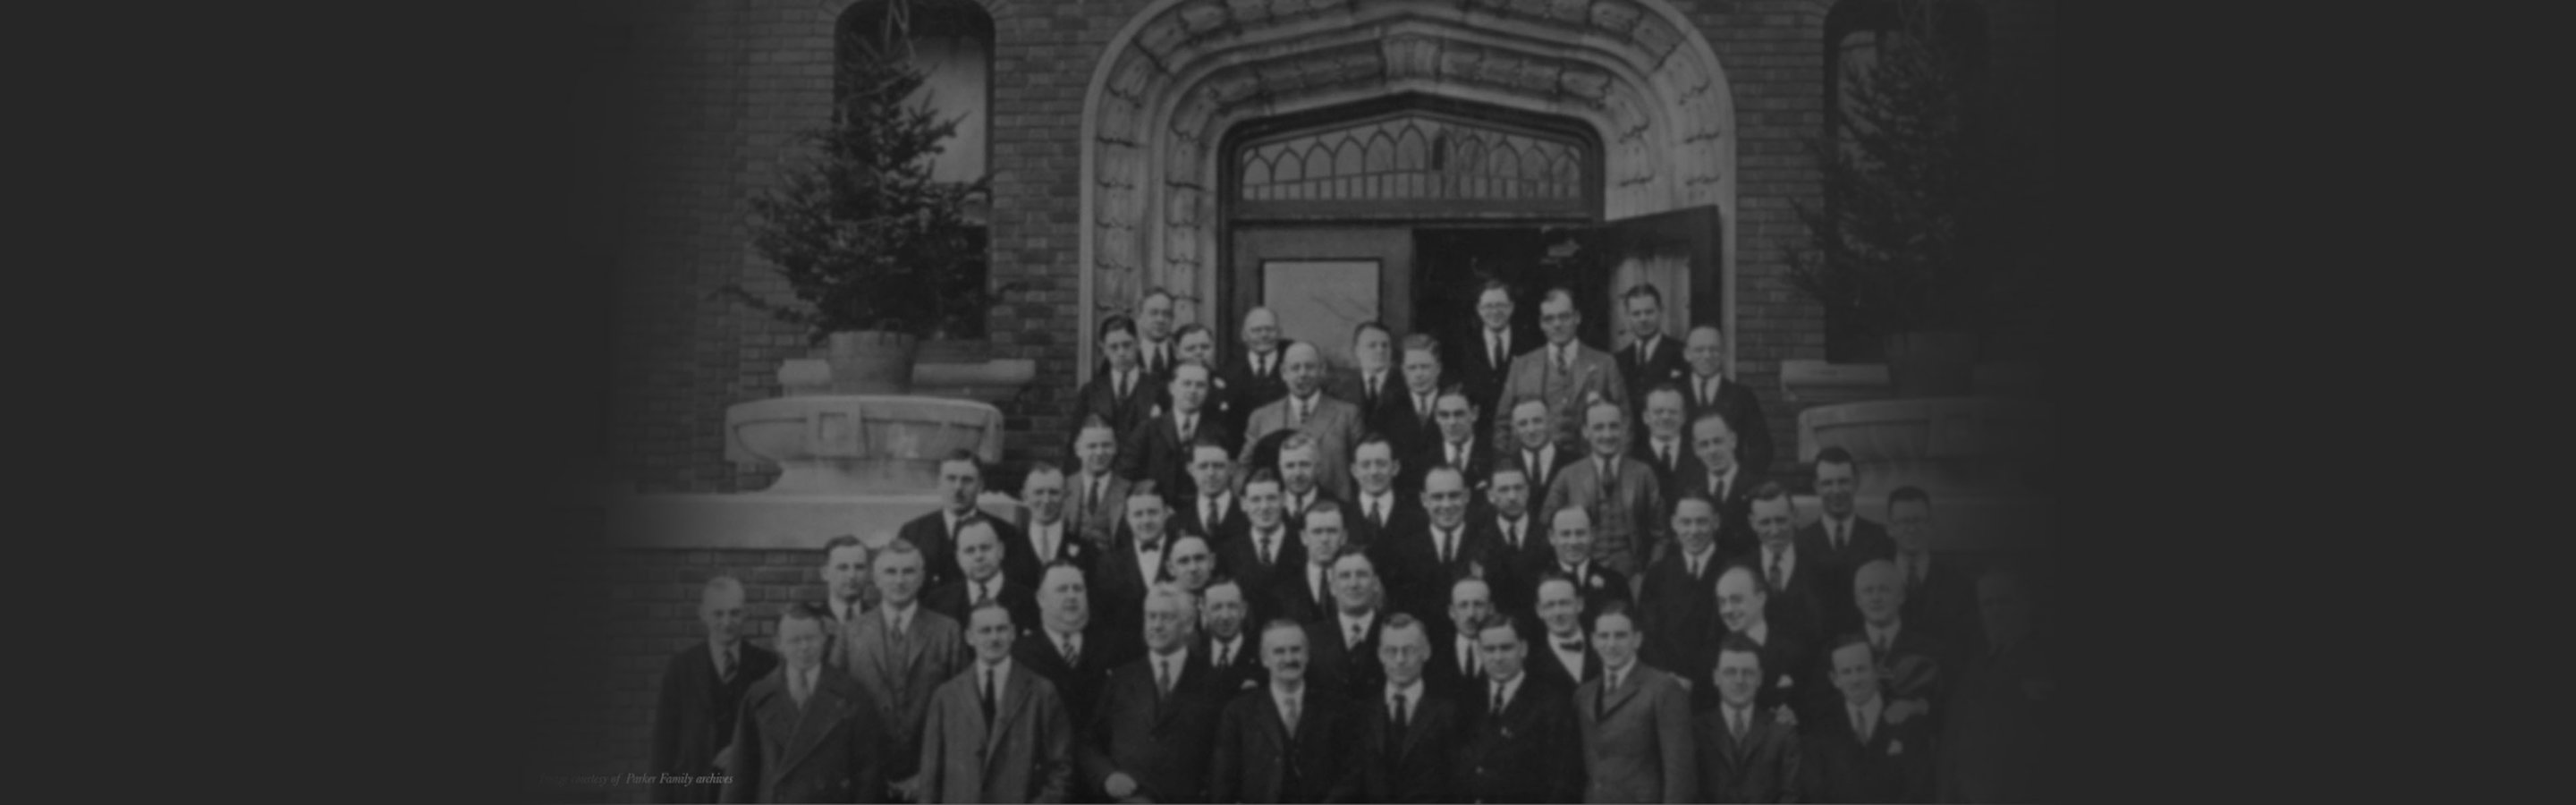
[{"x": 1185, "y": 73}]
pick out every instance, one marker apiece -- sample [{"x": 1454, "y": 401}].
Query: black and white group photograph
[{"x": 1272, "y": 401}]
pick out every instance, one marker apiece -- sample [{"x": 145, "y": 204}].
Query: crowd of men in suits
[{"x": 1550, "y": 574}]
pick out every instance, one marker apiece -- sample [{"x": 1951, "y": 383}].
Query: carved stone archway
[{"x": 1184, "y": 71}]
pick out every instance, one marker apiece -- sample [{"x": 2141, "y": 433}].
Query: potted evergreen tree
[
  {"x": 1903, "y": 246},
  {"x": 871, "y": 244}
]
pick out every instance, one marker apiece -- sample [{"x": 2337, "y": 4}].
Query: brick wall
[{"x": 716, "y": 89}]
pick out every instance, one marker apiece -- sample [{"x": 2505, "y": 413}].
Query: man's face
[
  {"x": 1261, "y": 331},
  {"x": 1909, "y": 523},
  {"x": 1155, "y": 317},
  {"x": 1063, "y": 600},
  {"x": 1373, "y": 466},
  {"x": 1457, "y": 419},
  {"x": 1189, "y": 387},
  {"x": 1120, "y": 346},
  {"x": 1855, "y": 675},
  {"x": 959, "y": 483},
  {"x": 845, "y": 569},
  {"x": 1739, "y": 674},
  {"x": 1606, "y": 430},
  {"x": 1444, "y": 497},
  {"x": 1695, "y": 523},
  {"x": 1558, "y": 608},
  {"x": 1772, "y": 520},
  {"x": 1664, "y": 414},
  {"x": 1097, "y": 447},
  {"x": 1530, "y": 425},
  {"x": 1469, "y": 602},
  {"x": 801, "y": 641},
  {"x": 1500, "y": 650},
  {"x": 979, "y": 551},
  {"x": 1571, "y": 534},
  {"x": 1703, "y": 352},
  {"x": 1509, "y": 492},
  {"x": 1168, "y": 622},
  {"x": 720, "y": 609},
  {"x": 1145, "y": 516},
  {"x": 1297, "y": 469},
  {"x": 1421, "y": 371},
  {"x": 1044, "y": 492},
  {"x": 1739, "y": 600},
  {"x": 1402, "y": 652},
  {"x": 1209, "y": 466},
  {"x": 2003, "y": 610},
  {"x": 1556, "y": 318},
  {"x": 1836, "y": 484},
  {"x": 1354, "y": 584},
  {"x": 1283, "y": 651},
  {"x": 1192, "y": 563},
  {"x": 1494, "y": 307},
  {"x": 1302, "y": 369},
  {"x": 1323, "y": 535},
  {"x": 1261, "y": 503},
  {"x": 1616, "y": 637},
  {"x": 1875, "y": 589},
  {"x": 1199, "y": 347},
  {"x": 1373, "y": 350},
  {"x": 989, "y": 633},
  {"x": 899, "y": 577},
  {"x": 1222, "y": 610},
  {"x": 1645, "y": 317},
  {"x": 1713, "y": 443}
]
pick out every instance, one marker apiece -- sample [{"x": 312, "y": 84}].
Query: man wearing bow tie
[
  {"x": 1649, "y": 359},
  {"x": 702, "y": 690},
  {"x": 1566, "y": 374},
  {"x": 1128, "y": 569},
  {"x": 1635, "y": 720},
  {"x": 1565, "y": 655}
]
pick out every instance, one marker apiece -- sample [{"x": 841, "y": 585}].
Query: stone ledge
[{"x": 1815, "y": 382}]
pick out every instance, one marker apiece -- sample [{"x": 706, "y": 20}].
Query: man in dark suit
[
  {"x": 1938, "y": 594},
  {"x": 1372, "y": 384},
  {"x": 1789, "y": 660},
  {"x": 1746, "y": 754},
  {"x": 1795, "y": 581},
  {"x": 806, "y": 733},
  {"x": 1914, "y": 666},
  {"x": 1232, "y": 653},
  {"x": 1264, "y": 548},
  {"x": 1342, "y": 645},
  {"x": 961, "y": 480},
  {"x": 1452, "y": 441},
  {"x": 1423, "y": 558},
  {"x": 1519, "y": 742},
  {"x": 1160, "y": 448},
  {"x": 1659, "y": 442},
  {"x": 1198, "y": 345},
  {"x": 1410, "y": 419},
  {"x": 1996, "y": 739},
  {"x": 1148, "y": 739},
  {"x": 1046, "y": 534},
  {"x": 1455, "y": 667},
  {"x": 1566, "y": 373},
  {"x": 1124, "y": 394},
  {"x": 1635, "y": 721},
  {"x": 1098, "y": 496},
  {"x": 1570, "y": 533},
  {"x": 998, "y": 732},
  {"x": 1132, "y": 564},
  {"x": 1213, "y": 511},
  {"x": 847, "y": 589},
  {"x": 1650, "y": 359},
  {"x": 1865, "y": 750},
  {"x": 979, "y": 559},
  {"x": 1712, "y": 392},
  {"x": 899, "y": 653},
  {"x": 1304, "y": 592},
  {"x": 1155, "y": 347},
  {"x": 1484, "y": 357},
  {"x": 1725, "y": 481},
  {"x": 1069, "y": 649},
  {"x": 1253, "y": 376},
  {"x": 1284, "y": 741},
  {"x": 702, "y": 690},
  {"x": 1841, "y": 539},
  {"x": 1381, "y": 511},
  {"x": 1678, "y": 597},
  {"x": 1406, "y": 731},
  {"x": 1519, "y": 539},
  {"x": 1564, "y": 656}
]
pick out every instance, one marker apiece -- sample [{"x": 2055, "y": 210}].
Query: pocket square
[{"x": 1896, "y": 747}]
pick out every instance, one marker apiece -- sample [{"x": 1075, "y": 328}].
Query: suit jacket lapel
[
  {"x": 1015, "y": 697},
  {"x": 821, "y": 712},
  {"x": 1627, "y": 690}
]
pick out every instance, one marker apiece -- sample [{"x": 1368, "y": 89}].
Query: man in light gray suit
[
  {"x": 899, "y": 653},
  {"x": 1635, "y": 721},
  {"x": 1569, "y": 375},
  {"x": 1334, "y": 424},
  {"x": 998, "y": 732}
]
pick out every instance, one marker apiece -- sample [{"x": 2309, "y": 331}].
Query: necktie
[
  {"x": 1694, "y": 568},
  {"x": 1494, "y": 345},
  {"x": 983, "y": 593},
  {"x": 1207, "y": 513},
  {"x": 1498, "y": 698},
  {"x": 1163, "y": 677},
  {"x": 1667, "y": 457},
  {"x": 1422, "y": 408},
  {"x": 1458, "y": 456},
  {"x": 1512, "y": 534},
  {"x": 1377, "y": 515},
  {"x": 1878, "y": 645},
  {"x": 724, "y": 666},
  {"x": 1467, "y": 661},
  {"x": 1358, "y": 633},
  {"x": 1072, "y": 653},
  {"x": 1221, "y": 655},
  {"x": 1775, "y": 569},
  {"x": 1860, "y": 725},
  {"x": 1707, "y": 391},
  {"x": 1091, "y": 504},
  {"x": 1564, "y": 360},
  {"x": 1735, "y": 722},
  {"x": 1291, "y": 704},
  {"x": 1399, "y": 719},
  {"x": 1538, "y": 471},
  {"x": 1444, "y": 547},
  {"x": 1185, "y": 429},
  {"x": 803, "y": 689},
  {"x": 1266, "y": 558},
  {"x": 1296, "y": 414},
  {"x": 1601, "y": 698},
  {"x": 1123, "y": 378},
  {"x": 988, "y": 696}
]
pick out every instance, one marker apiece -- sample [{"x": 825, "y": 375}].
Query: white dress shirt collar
[
  {"x": 900, "y": 619},
  {"x": 1412, "y": 697}
]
